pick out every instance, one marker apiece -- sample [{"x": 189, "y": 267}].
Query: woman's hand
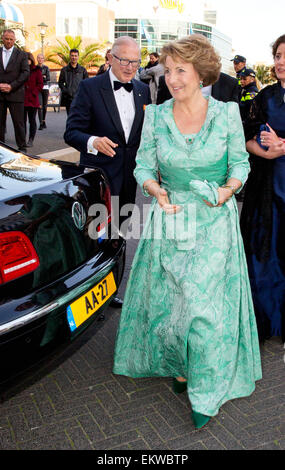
[
  {"x": 162, "y": 199},
  {"x": 275, "y": 150},
  {"x": 224, "y": 195},
  {"x": 269, "y": 138},
  {"x": 154, "y": 189}
]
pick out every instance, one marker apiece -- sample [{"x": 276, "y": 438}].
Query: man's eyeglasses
[{"x": 125, "y": 62}]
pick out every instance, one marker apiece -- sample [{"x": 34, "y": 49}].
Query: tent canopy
[{"x": 10, "y": 12}]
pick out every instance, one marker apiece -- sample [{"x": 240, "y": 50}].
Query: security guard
[
  {"x": 248, "y": 92},
  {"x": 239, "y": 65}
]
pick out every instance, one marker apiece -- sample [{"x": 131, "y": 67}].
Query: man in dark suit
[
  {"x": 14, "y": 72},
  {"x": 106, "y": 117},
  {"x": 225, "y": 89}
]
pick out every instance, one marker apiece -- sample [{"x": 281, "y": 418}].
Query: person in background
[
  {"x": 248, "y": 92},
  {"x": 43, "y": 95},
  {"x": 70, "y": 77},
  {"x": 33, "y": 87},
  {"x": 104, "y": 67},
  {"x": 263, "y": 211},
  {"x": 153, "y": 61},
  {"x": 188, "y": 310},
  {"x": 239, "y": 63},
  {"x": 14, "y": 72},
  {"x": 151, "y": 74}
]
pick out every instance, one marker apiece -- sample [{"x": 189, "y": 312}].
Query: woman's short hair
[
  {"x": 197, "y": 50},
  {"x": 31, "y": 58}
]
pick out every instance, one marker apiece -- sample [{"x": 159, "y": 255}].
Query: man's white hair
[{"x": 122, "y": 41}]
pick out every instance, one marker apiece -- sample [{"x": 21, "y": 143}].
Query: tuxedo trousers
[{"x": 17, "y": 114}]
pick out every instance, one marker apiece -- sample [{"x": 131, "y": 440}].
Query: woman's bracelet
[
  {"x": 147, "y": 186},
  {"x": 231, "y": 187}
]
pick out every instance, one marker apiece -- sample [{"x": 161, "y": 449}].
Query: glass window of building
[
  {"x": 66, "y": 25},
  {"x": 79, "y": 26}
]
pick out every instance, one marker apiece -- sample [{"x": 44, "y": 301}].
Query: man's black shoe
[{"x": 116, "y": 303}]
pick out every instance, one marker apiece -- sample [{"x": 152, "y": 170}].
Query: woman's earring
[{"x": 201, "y": 83}]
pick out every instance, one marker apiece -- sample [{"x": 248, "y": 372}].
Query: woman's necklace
[{"x": 189, "y": 140}]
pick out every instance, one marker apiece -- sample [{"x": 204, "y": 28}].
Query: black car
[{"x": 60, "y": 264}]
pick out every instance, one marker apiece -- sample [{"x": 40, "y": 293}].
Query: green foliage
[
  {"x": 144, "y": 56},
  {"x": 89, "y": 55},
  {"x": 263, "y": 74}
]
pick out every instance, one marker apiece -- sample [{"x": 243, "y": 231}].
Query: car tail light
[
  {"x": 108, "y": 203},
  {"x": 102, "y": 228},
  {"x": 17, "y": 256}
]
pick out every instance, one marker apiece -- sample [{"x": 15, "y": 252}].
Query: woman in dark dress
[
  {"x": 263, "y": 212},
  {"x": 33, "y": 86},
  {"x": 44, "y": 93}
]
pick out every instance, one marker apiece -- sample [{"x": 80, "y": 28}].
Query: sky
[{"x": 253, "y": 26}]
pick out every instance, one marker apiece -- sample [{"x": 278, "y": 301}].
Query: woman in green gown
[{"x": 188, "y": 311}]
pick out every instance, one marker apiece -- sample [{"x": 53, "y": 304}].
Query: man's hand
[
  {"x": 5, "y": 87},
  {"x": 105, "y": 145}
]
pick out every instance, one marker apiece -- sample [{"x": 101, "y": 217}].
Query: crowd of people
[{"x": 190, "y": 136}]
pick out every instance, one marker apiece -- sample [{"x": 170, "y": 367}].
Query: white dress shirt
[
  {"x": 126, "y": 107},
  {"x": 6, "y": 54}
]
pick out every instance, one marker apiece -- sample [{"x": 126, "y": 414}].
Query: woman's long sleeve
[
  {"x": 146, "y": 159},
  {"x": 238, "y": 165}
]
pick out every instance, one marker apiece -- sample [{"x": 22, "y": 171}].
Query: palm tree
[
  {"x": 144, "y": 56},
  {"x": 90, "y": 55},
  {"x": 263, "y": 74}
]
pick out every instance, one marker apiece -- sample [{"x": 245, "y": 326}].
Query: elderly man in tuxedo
[
  {"x": 106, "y": 117},
  {"x": 14, "y": 72}
]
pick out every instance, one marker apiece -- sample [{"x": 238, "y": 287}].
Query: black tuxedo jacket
[
  {"x": 225, "y": 89},
  {"x": 16, "y": 74},
  {"x": 94, "y": 112}
]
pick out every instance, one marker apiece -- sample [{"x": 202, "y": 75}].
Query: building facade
[
  {"x": 153, "y": 24},
  {"x": 221, "y": 42},
  {"x": 92, "y": 20}
]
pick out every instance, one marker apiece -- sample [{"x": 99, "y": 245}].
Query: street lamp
[{"x": 43, "y": 29}]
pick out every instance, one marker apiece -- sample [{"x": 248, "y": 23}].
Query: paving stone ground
[{"x": 75, "y": 402}]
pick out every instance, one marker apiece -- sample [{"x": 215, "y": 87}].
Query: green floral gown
[{"x": 188, "y": 308}]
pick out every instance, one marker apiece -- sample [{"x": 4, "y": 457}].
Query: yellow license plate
[{"x": 84, "y": 307}]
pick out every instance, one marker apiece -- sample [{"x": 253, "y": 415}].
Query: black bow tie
[{"x": 127, "y": 86}]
